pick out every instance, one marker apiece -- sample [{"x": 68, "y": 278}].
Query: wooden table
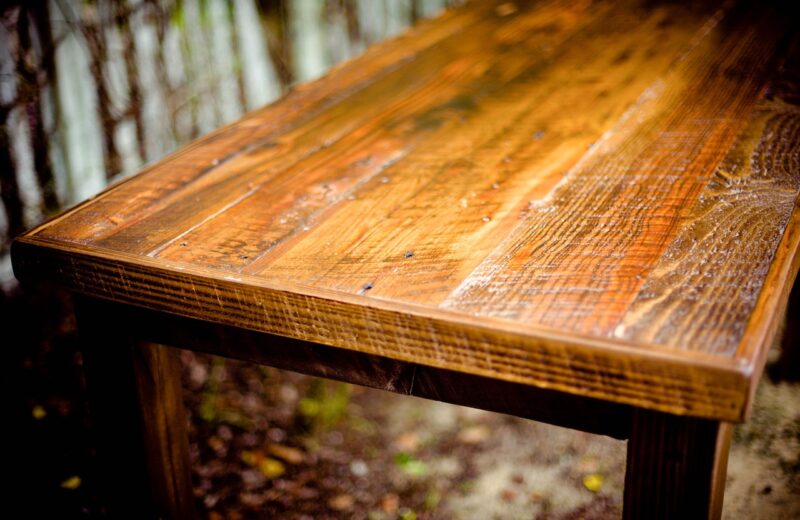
[{"x": 581, "y": 214}]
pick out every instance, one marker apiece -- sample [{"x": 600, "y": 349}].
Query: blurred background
[{"x": 93, "y": 90}]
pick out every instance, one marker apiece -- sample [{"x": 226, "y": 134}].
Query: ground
[{"x": 273, "y": 444}]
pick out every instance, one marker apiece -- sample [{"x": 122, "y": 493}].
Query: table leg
[
  {"x": 136, "y": 407},
  {"x": 676, "y": 467}
]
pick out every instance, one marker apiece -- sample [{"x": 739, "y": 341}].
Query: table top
[{"x": 600, "y": 199}]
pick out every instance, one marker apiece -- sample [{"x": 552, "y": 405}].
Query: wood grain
[
  {"x": 579, "y": 255},
  {"x": 210, "y": 158},
  {"x": 591, "y": 415},
  {"x": 685, "y": 383},
  {"x": 164, "y": 426},
  {"x": 702, "y": 290},
  {"x": 593, "y": 198},
  {"x": 450, "y": 200}
]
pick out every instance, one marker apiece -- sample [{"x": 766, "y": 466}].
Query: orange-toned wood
[
  {"x": 599, "y": 199},
  {"x": 158, "y": 384},
  {"x": 591, "y": 415},
  {"x": 589, "y": 207}
]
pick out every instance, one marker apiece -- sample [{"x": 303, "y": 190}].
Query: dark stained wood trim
[
  {"x": 548, "y": 406},
  {"x": 676, "y": 467},
  {"x": 158, "y": 382},
  {"x": 678, "y": 382},
  {"x": 113, "y": 412},
  {"x": 136, "y": 407}
]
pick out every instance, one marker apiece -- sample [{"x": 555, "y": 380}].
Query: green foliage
[
  {"x": 432, "y": 500},
  {"x": 212, "y": 405},
  {"x": 178, "y": 16},
  {"x": 407, "y": 514},
  {"x": 325, "y": 404},
  {"x": 410, "y": 466}
]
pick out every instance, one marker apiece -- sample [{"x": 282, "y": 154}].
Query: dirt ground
[
  {"x": 388, "y": 456},
  {"x": 272, "y": 444}
]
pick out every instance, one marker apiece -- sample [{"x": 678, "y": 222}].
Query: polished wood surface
[{"x": 598, "y": 199}]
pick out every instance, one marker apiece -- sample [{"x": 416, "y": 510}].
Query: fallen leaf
[
  {"x": 249, "y": 457},
  {"x": 343, "y": 502},
  {"x": 593, "y": 482},
  {"x": 390, "y": 503},
  {"x": 271, "y": 468},
  {"x": 408, "y": 441},
  {"x": 474, "y": 434},
  {"x": 73, "y": 482},
  {"x": 508, "y": 495},
  {"x": 410, "y": 465},
  {"x": 286, "y": 453},
  {"x": 39, "y": 412},
  {"x": 432, "y": 499},
  {"x": 309, "y": 407},
  {"x": 218, "y": 445},
  {"x": 407, "y": 514}
]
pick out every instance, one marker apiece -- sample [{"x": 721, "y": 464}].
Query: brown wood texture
[
  {"x": 136, "y": 407},
  {"x": 676, "y": 467},
  {"x": 164, "y": 424},
  {"x": 599, "y": 199},
  {"x": 591, "y": 415}
]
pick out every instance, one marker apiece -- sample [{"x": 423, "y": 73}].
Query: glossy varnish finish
[{"x": 595, "y": 199}]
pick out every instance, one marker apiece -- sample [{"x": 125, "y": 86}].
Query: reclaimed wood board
[{"x": 594, "y": 198}]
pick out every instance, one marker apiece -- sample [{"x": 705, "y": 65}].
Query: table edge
[
  {"x": 648, "y": 376},
  {"x": 773, "y": 299}
]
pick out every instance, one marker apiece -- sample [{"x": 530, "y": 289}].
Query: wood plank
[
  {"x": 774, "y": 296},
  {"x": 451, "y": 201},
  {"x": 684, "y": 383},
  {"x": 580, "y": 255},
  {"x": 705, "y": 286},
  {"x": 227, "y": 152},
  {"x": 444, "y": 94},
  {"x": 410, "y": 379}
]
